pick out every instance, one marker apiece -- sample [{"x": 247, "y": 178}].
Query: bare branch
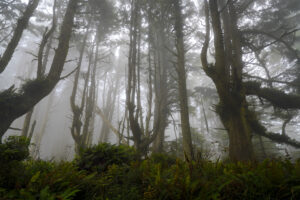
[
  {"x": 15, "y": 129},
  {"x": 69, "y": 74}
]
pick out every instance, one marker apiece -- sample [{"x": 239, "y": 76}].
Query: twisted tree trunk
[{"x": 226, "y": 73}]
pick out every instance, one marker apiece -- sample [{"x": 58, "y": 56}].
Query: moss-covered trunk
[
  {"x": 226, "y": 74},
  {"x": 234, "y": 118}
]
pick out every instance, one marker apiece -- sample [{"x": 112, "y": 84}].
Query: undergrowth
[{"x": 111, "y": 172}]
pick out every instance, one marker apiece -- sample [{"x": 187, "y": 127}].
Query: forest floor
[{"x": 114, "y": 172}]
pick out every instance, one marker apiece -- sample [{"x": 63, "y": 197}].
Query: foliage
[
  {"x": 118, "y": 175},
  {"x": 12, "y": 153},
  {"x": 47, "y": 180},
  {"x": 99, "y": 157},
  {"x": 31, "y": 86}
]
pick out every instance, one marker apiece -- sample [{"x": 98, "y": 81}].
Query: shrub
[
  {"x": 164, "y": 159},
  {"x": 47, "y": 180},
  {"x": 12, "y": 152},
  {"x": 99, "y": 157},
  {"x": 114, "y": 172}
]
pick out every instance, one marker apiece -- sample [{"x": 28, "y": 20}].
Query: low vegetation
[{"x": 113, "y": 172}]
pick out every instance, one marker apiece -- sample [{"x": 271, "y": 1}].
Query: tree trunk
[
  {"x": 26, "y": 125},
  {"x": 239, "y": 132},
  {"x": 161, "y": 99},
  {"x": 78, "y": 109},
  {"x": 131, "y": 85},
  {"x": 183, "y": 99},
  {"x": 227, "y": 76},
  {"x": 38, "y": 137},
  {"x": 32, "y": 130},
  {"x": 108, "y": 111},
  {"x": 90, "y": 102}
]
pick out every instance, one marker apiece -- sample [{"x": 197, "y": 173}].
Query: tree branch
[
  {"x": 277, "y": 98},
  {"x": 105, "y": 120},
  {"x": 262, "y": 131}
]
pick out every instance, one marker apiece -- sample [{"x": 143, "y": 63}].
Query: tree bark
[
  {"x": 161, "y": 109},
  {"x": 183, "y": 99},
  {"x": 232, "y": 107},
  {"x": 26, "y": 124}
]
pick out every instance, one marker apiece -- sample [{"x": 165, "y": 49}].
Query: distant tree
[
  {"x": 97, "y": 23},
  {"x": 159, "y": 66}
]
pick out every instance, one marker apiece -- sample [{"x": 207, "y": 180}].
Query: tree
[
  {"x": 159, "y": 29},
  {"x": 41, "y": 68},
  {"x": 228, "y": 76},
  {"x": 14, "y": 104},
  {"x": 76, "y": 128},
  {"x": 97, "y": 24},
  {"x": 21, "y": 26},
  {"x": 183, "y": 99},
  {"x": 142, "y": 133}
]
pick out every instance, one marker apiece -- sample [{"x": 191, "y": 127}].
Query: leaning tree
[{"x": 15, "y": 103}]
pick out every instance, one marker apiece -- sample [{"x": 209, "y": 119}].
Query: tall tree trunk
[
  {"x": 161, "y": 91},
  {"x": 131, "y": 86},
  {"x": 32, "y": 130},
  {"x": 108, "y": 111},
  {"x": 232, "y": 108},
  {"x": 78, "y": 109},
  {"x": 183, "y": 99},
  {"x": 38, "y": 137},
  {"x": 235, "y": 122},
  {"x": 26, "y": 124},
  {"x": 139, "y": 111},
  {"x": 90, "y": 102}
]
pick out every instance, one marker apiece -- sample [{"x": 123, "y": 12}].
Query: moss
[
  {"x": 8, "y": 94},
  {"x": 33, "y": 86},
  {"x": 8, "y": 100},
  {"x": 13, "y": 101}
]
